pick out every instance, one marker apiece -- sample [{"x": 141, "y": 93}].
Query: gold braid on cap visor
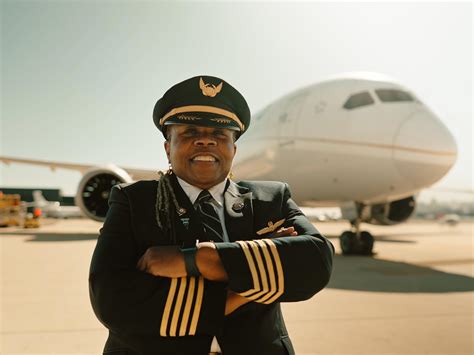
[{"x": 200, "y": 108}]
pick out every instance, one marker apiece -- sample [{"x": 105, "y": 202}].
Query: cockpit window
[
  {"x": 358, "y": 100},
  {"x": 391, "y": 95}
]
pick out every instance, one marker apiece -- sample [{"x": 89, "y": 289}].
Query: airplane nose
[{"x": 424, "y": 149}]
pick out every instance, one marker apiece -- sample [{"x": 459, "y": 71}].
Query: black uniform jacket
[{"x": 146, "y": 314}]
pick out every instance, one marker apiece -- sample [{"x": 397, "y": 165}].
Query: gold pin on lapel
[
  {"x": 181, "y": 211},
  {"x": 209, "y": 89},
  {"x": 271, "y": 227}
]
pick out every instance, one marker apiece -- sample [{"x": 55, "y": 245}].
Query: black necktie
[{"x": 210, "y": 220}]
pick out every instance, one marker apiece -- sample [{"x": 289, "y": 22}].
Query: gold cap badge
[{"x": 209, "y": 89}]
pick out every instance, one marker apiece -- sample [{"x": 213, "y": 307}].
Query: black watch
[{"x": 190, "y": 261}]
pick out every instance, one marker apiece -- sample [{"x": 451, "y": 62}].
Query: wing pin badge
[
  {"x": 209, "y": 89},
  {"x": 271, "y": 227}
]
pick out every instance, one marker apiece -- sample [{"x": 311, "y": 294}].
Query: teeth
[{"x": 204, "y": 158}]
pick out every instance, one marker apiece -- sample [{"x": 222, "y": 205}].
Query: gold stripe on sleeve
[
  {"x": 271, "y": 271},
  {"x": 169, "y": 302},
  {"x": 187, "y": 307},
  {"x": 177, "y": 307},
  {"x": 197, "y": 307},
  {"x": 253, "y": 270},
  {"x": 281, "y": 280},
  {"x": 262, "y": 272}
]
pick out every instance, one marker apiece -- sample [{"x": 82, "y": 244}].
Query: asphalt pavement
[{"x": 415, "y": 295}]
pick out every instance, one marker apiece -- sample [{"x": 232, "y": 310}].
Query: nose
[
  {"x": 205, "y": 140},
  {"x": 424, "y": 150}
]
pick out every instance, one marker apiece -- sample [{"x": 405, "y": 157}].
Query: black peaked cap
[{"x": 203, "y": 101}]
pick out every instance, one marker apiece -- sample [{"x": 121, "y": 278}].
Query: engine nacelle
[
  {"x": 94, "y": 189},
  {"x": 393, "y": 212}
]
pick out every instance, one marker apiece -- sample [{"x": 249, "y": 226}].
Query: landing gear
[{"x": 356, "y": 241}]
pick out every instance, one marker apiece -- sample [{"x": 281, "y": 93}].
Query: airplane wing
[{"x": 136, "y": 174}]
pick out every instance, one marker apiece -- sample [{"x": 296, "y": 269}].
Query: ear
[{"x": 167, "y": 149}]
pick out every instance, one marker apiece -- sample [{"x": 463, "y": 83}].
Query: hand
[
  {"x": 284, "y": 232},
  {"x": 165, "y": 261},
  {"x": 234, "y": 301}
]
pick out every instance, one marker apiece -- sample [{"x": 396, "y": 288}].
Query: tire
[
  {"x": 348, "y": 242},
  {"x": 366, "y": 243}
]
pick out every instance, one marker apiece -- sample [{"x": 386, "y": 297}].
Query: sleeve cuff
[{"x": 254, "y": 268}]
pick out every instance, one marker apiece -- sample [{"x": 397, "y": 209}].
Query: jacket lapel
[
  {"x": 238, "y": 212},
  {"x": 187, "y": 224}
]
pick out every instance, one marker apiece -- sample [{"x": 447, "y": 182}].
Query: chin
[{"x": 208, "y": 181}]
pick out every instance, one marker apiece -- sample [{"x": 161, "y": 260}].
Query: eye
[
  {"x": 221, "y": 134},
  {"x": 191, "y": 132}
]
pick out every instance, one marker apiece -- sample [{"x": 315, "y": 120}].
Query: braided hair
[{"x": 166, "y": 204}]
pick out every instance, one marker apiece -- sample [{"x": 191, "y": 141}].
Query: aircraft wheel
[
  {"x": 348, "y": 242},
  {"x": 366, "y": 243}
]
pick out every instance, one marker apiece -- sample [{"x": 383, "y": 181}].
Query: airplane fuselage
[{"x": 379, "y": 147}]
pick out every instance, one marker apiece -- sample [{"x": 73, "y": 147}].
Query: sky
[{"x": 79, "y": 79}]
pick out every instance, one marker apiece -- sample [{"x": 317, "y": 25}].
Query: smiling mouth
[{"x": 204, "y": 158}]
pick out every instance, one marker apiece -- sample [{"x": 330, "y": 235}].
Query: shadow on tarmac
[
  {"x": 37, "y": 236},
  {"x": 365, "y": 273},
  {"x": 61, "y": 237}
]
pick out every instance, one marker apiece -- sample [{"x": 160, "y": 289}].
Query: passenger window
[
  {"x": 358, "y": 100},
  {"x": 391, "y": 95}
]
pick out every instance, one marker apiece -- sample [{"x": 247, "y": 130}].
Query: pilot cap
[{"x": 202, "y": 101}]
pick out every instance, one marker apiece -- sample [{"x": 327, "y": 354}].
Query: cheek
[{"x": 177, "y": 154}]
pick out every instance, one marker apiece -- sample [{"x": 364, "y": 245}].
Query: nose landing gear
[{"x": 355, "y": 241}]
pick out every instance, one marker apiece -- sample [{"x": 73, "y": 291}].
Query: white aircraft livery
[
  {"x": 53, "y": 208},
  {"x": 359, "y": 141}
]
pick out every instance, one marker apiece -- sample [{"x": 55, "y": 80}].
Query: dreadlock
[{"x": 166, "y": 204}]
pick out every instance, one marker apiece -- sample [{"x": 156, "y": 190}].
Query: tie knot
[{"x": 204, "y": 196}]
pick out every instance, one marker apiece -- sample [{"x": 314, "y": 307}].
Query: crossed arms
[
  {"x": 168, "y": 261},
  {"x": 151, "y": 293}
]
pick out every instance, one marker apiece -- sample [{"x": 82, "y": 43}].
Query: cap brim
[{"x": 203, "y": 119}]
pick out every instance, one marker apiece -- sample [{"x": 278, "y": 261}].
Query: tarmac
[{"x": 415, "y": 295}]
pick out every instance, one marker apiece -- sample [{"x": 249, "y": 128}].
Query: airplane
[
  {"x": 53, "y": 208},
  {"x": 359, "y": 141},
  {"x": 451, "y": 219},
  {"x": 322, "y": 214}
]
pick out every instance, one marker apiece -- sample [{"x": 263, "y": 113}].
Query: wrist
[{"x": 209, "y": 262}]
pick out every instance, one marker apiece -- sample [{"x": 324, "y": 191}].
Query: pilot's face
[{"x": 201, "y": 156}]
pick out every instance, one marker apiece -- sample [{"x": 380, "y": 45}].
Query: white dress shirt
[{"x": 217, "y": 193}]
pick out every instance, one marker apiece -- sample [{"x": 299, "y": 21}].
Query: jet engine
[
  {"x": 94, "y": 189},
  {"x": 393, "y": 212}
]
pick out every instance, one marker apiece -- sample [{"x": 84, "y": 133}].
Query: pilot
[{"x": 194, "y": 262}]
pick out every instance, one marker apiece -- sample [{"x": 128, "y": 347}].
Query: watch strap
[{"x": 190, "y": 261}]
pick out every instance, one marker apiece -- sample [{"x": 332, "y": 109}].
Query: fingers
[
  {"x": 286, "y": 232},
  {"x": 140, "y": 264}
]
